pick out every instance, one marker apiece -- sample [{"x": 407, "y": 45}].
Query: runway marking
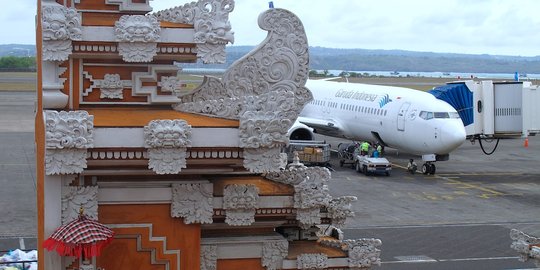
[{"x": 487, "y": 192}]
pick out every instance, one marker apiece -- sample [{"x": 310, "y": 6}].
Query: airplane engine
[{"x": 300, "y": 131}]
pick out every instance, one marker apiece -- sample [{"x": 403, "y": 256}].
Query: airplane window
[
  {"x": 426, "y": 115},
  {"x": 454, "y": 114},
  {"x": 385, "y": 111}
]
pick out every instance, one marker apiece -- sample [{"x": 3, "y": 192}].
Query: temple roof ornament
[
  {"x": 193, "y": 202},
  {"x": 210, "y": 19},
  {"x": 137, "y": 37},
  {"x": 167, "y": 142},
  {"x": 363, "y": 253},
  {"x": 60, "y": 25},
  {"x": 240, "y": 203},
  {"x": 76, "y": 198},
  {"x": 265, "y": 88},
  {"x": 67, "y": 136},
  {"x": 313, "y": 261},
  {"x": 273, "y": 253},
  {"x": 523, "y": 244}
]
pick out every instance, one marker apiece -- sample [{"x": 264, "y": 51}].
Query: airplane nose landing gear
[{"x": 428, "y": 168}]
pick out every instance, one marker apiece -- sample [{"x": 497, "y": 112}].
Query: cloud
[{"x": 460, "y": 26}]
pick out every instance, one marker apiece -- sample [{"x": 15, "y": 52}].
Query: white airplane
[{"x": 405, "y": 119}]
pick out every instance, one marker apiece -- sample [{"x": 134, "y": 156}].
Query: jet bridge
[{"x": 494, "y": 110}]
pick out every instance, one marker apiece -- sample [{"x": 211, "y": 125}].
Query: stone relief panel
[
  {"x": 60, "y": 25},
  {"x": 312, "y": 261},
  {"x": 363, "y": 253},
  {"x": 339, "y": 209},
  {"x": 210, "y": 20},
  {"x": 137, "y": 37},
  {"x": 208, "y": 257},
  {"x": 521, "y": 242},
  {"x": 310, "y": 195},
  {"x": 167, "y": 142},
  {"x": 76, "y": 198},
  {"x": 193, "y": 202},
  {"x": 273, "y": 254},
  {"x": 67, "y": 136},
  {"x": 240, "y": 202}
]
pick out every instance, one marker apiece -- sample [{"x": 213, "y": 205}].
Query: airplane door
[{"x": 401, "y": 116}]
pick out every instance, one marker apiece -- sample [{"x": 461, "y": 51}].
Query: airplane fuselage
[{"x": 406, "y": 119}]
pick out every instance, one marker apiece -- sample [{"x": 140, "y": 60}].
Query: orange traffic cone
[{"x": 526, "y": 143}]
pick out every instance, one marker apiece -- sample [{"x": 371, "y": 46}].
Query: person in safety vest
[{"x": 364, "y": 148}]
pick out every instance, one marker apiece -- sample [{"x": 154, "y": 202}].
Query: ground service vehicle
[{"x": 372, "y": 165}]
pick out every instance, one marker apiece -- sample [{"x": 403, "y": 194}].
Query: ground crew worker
[
  {"x": 364, "y": 148},
  {"x": 379, "y": 149}
]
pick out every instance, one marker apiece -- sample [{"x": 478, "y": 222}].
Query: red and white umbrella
[{"x": 81, "y": 237}]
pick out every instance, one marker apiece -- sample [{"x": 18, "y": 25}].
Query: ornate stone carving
[
  {"x": 67, "y": 136},
  {"x": 295, "y": 173},
  {"x": 137, "y": 37},
  {"x": 75, "y": 198},
  {"x": 208, "y": 257},
  {"x": 60, "y": 25},
  {"x": 312, "y": 261},
  {"x": 263, "y": 89},
  {"x": 273, "y": 254},
  {"x": 522, "y": 244},
  {"x": 264, "y": 159},
  {"x": 210, "y": 20},
  {"x": 363, "y": 253},
  {"x": 170, "y": 84},
  {"x": 111, "y": 86},
  {"x": 167, "y": 141},
  {"x": 193, "y": 202},
  {"x": 310, "y": 195},
  {"x": 340, "y": 209},
  {"x": 240, "y": 202}
]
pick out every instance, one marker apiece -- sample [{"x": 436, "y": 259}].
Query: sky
[{"x": 497, "y": 27}]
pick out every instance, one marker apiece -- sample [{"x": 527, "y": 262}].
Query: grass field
[{"x": 18, "y": 81}]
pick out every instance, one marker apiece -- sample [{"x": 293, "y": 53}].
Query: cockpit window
[
  {"x": 430, "y": 115},
  {"x": 426, "y": 115}
]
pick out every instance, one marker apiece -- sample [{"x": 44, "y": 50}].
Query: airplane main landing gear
[{"x": 428, "y": 168}]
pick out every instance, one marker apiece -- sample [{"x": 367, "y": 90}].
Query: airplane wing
[{"x": 321, "y": 124}]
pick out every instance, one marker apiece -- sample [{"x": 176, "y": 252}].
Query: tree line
[{"x": 17, "y": 63}]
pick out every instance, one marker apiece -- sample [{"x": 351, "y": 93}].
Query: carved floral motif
[
  {"x": 339, "y": 209},
  {"x": 75, "y": 198},
  {"x": 273, "y": 254},
  {"x": 310, "y": 195},
  {"x": 111, "y": 86},
  {"x": 312, "y": 261},
  {"x": 210, "y": 19},
  {"x": 208, "y": 257},
  {"x": 67, "y": 136},
  {"x": 522, "y": 244},
  {"x": 193, "y": 202},
  {"x": 240, "y": 202},
  {"x": 363, "y": 253},
  {"x": 170, "y": 84}
]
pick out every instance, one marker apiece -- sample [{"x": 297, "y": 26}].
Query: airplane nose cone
[{"x": 452, "y": 136}]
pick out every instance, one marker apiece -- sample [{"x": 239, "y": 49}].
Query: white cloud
[{"x": 460, "y": 26}]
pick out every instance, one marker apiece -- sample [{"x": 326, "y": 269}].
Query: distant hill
[
  {"x": 17, "y": 50},
  {"x": 372, "y": 60}
]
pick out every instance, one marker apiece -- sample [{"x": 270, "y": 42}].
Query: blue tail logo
[{"x": 384, "y": 100}]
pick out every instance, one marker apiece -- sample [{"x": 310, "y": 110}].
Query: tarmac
[{"x": 459, "y": 218}]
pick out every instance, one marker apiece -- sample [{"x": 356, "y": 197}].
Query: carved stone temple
[{"x": 186, "y": 178}]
